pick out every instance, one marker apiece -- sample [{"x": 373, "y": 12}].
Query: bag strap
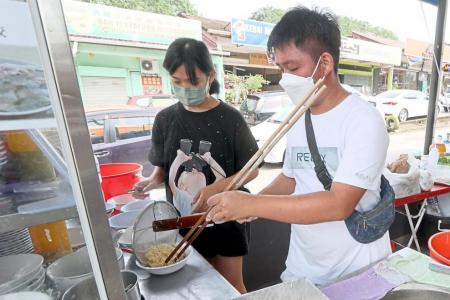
[{"x": 319, "y": 166}]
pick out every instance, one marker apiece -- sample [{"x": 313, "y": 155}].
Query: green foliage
[
  {"x": 165, "y": 7},
  {"x": 348, "y": 25},
  {"x": 272, "y": 14},
  {"x": 238, "y": 87},
  {"x": 254, "y": 83},
  {"x": 268, "y": 14}
]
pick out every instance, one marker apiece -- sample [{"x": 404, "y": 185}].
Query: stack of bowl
[
  {"x": 74, "y": 268},
  {"x": 24, "y": 273},
  {"x": 15, "y": 242}
]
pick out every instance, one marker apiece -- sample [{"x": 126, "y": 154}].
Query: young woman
[{"x": 198, "y": 145}]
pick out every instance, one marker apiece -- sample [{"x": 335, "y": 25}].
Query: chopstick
[{"x": 252, "y": 164}]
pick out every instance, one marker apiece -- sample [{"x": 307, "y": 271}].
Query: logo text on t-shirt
[{"x": 301, "y": 158}]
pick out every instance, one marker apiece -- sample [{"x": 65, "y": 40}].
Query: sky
[{"x": 407, "y": 18}]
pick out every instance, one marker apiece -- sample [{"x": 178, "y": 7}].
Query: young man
[{"x": 352, "y": 141}]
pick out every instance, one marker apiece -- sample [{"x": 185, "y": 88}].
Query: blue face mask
[{"x": 191, "y": 96}]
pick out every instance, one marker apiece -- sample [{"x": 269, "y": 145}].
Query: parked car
[
  {"x": 369, "y": 99},
  {"x": 445, "y": 100},
  {"x": 155, "y": 101},
  {"x": 262, "y": 131},
  {"x": 259, "y": 107},
  {"x": 405, "y": 104},
  {"x": 121, "y": 134}
]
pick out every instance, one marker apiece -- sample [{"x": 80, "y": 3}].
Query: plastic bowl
[
  {"x": 70, "y": 269},
  {"x": 121, "y": 200},
  {"x": 31, "y": 284},
  {"x": 137, "y": 205},
  {"x": 126, "y": 238},
  {"x": 123, "y": 220},
  {"x": 118, "y": 179},
  {"x": 109, "y": 206},
  {"x": 73, "y": 268},
  {"x": 164, "y": 270},
  {"x": 439, "y": 246},
  {"x": 21, "y": 267}
]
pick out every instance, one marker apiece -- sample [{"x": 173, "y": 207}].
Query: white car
[
  {"x": 369, "y": 99},
  {"x": 265, "y": 129},
  {"x": 445, "y": 99},
  {"x": 404, "y": 104}
]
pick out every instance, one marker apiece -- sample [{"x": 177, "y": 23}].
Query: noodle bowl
[{"x": 157, "y": 254}]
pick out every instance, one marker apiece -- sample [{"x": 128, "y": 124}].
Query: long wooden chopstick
[
  {"x": 282, "y": 133},
  {"x": 253, "y": 163},
  {"x": 260, "y": 151}
]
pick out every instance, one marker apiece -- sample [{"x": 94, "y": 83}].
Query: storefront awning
[{"x": 92, "y": 40}]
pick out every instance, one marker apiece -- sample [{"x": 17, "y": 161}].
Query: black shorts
[{"x": 229, "y": 239}]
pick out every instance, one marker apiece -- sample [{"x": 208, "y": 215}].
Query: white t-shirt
[{"x": 352, "y": 140}]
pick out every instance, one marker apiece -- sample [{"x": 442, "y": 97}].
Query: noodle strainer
[{"x": 144, "y": 236}]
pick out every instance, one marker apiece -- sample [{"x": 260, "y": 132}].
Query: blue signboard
[{"x": 250, "y": 32}]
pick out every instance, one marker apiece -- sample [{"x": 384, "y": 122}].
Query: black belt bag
[{"x": 364, "y": 227}]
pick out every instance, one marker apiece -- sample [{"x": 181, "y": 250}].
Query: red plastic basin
[
  {"x": 118, "y": 179},
  {"x": 439, "y": 246}
]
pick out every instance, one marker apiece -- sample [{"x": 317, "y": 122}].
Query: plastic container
[
  {"x": 439, "y": 246},
  {"x": 118, "y": 179},
  {"x": 438, "y": 143},
  {"x": 19, "y": 142},
  {"x": 51, "y": 240}
]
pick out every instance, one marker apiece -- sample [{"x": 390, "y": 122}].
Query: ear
[
  {"x": 212, "y": 76},
  {"x": 326, "y": 64}
]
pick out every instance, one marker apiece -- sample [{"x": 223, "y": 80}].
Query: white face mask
[{"x": 297, "y": 86}]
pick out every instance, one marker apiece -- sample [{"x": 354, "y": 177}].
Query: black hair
[
  {"x": 314, "y": 31},
  {"x": 190, "y": 53}
]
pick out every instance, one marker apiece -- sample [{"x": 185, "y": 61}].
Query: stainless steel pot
[{"x": 87, "y": 289}]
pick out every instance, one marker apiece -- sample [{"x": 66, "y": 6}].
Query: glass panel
[
  {"x": 97, "y": 130},
  {"x": 38, "y": 212},
  {"x": 127, "y": 128}
]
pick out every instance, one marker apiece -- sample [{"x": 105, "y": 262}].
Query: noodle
[{"x": 157, "y": 254}]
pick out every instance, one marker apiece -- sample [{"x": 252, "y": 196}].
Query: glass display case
[{"x": 53, "y": 219}]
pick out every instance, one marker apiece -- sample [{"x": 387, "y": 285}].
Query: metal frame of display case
[
  {"x": 79, "y": 165},
  {"x": 52, "y": 35}
]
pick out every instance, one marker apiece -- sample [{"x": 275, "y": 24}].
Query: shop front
[
  {"x": 367, "y": 66},
  {"x": 415, "y": 70},
  {"x": 119, "y": 55}
]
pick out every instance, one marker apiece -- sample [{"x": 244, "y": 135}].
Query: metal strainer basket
[{"x": 143, "y": 234}]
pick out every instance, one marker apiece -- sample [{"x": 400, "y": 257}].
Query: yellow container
[
  {"x": 51, "y": 240},
  {"x": 19, "y": 141}
]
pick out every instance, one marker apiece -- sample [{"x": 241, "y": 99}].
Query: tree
[
  {"x": 268, "y": 14},
  {"x": 165, "y": 7},
  {"x": 348, "y": 25},
  {"x": 272, "y": 14}
]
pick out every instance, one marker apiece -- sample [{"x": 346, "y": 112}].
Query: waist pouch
[{"x": 364, "y": 227}]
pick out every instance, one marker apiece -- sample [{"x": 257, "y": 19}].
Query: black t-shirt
[{"x": 223, "y": 126}]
